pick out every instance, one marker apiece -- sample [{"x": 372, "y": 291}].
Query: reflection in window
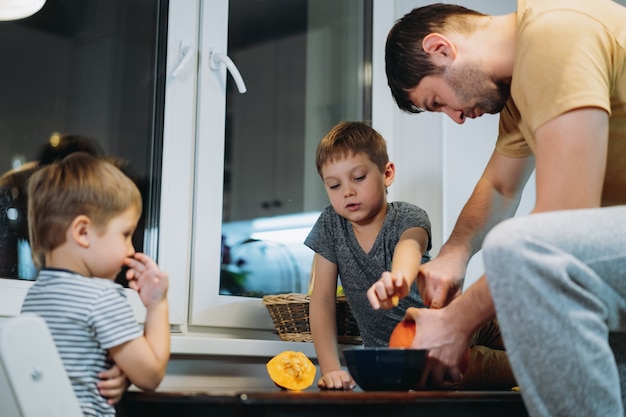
[
  {"x": 80, "y": 76},
  {"x": 305, "y": 67}
]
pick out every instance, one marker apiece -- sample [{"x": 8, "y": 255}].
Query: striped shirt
[{"x": 86, "y": 316}]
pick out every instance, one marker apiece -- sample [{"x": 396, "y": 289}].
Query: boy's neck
[
  {"x": 367, "y": 232},
  {"x": 65, "y": 257}
]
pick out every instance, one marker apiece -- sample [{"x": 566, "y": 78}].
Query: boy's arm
[
  {"x": 322, "y": 310},
  {"x": 407, "y": 255},
  {"x": 407, "y": 258},
  {"x": 145, "y": 358}
]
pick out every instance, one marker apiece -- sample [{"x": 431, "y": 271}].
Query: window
[
  {"x": 305, "y": 65},
  {"x": 79, "y": 76},
  {"x": 218, "y": 167}
]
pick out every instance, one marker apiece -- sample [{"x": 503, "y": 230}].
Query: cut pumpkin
[
  {"x": 403, "y": 334},
  {"x": 292, "y": 370}
]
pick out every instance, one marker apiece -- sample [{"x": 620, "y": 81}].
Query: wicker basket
[{"x": 290, "y": 314}]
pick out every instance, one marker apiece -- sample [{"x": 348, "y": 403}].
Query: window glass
[
  {"x": 305, "y": 66},
  {"x": 80, "y": 75}
]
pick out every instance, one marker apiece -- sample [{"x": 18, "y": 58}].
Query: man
[{"x": 555, "y": 71}]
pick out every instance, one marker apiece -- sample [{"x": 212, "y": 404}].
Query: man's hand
[
  {"x": 112, "y": 385},
  {"x": 440, "y": 281},
  {"x": 336, "y": 380},
  {"x": 446, "y": 342}
]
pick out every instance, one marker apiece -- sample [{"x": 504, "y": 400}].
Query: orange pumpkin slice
[{"x": 291, "y": 370}]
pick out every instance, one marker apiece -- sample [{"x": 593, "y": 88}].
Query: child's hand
[
  {"x": 145, "y": 277},
  {"x": 336, "y": 380},
  {"x": 388, "y": 290},
  {"x": 112, "y": 384}
]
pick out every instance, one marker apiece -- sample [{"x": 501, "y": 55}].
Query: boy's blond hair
[
  {"x": 352, "y": 138},
  {"x": 80, "y": 184}
]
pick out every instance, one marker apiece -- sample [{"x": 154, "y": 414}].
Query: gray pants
[{"x": 558, "y": 281}]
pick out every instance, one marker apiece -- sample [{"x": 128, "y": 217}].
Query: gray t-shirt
[{"x": 333, "y": 238}]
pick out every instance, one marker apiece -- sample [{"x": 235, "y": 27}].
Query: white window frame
[{"x": 204, "y": 322}]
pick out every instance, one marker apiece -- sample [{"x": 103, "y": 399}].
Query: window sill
[{"x": 226, "y": 346}]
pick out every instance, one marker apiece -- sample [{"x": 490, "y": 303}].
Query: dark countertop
[{"x": 313, "y": 402}]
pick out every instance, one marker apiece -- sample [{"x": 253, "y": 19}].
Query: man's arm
[
  {"x": 495, "y": 197},
  {"x": 571, "y": 160},
  {"x": 447, "y": 332}
]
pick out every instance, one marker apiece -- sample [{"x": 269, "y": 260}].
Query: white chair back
[{"x": 33, "y": 381}]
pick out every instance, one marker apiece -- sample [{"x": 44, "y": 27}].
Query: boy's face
[
  {"x": 355, "y": 186},
  {"x": 111, "y": 245}
]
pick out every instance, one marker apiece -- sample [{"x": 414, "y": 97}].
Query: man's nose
[{"x": 457, "y": 115}]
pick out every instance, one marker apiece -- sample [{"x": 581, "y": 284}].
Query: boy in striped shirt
[{"x": 82, "y": 213}]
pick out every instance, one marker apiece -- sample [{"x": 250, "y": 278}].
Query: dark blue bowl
[{"x": 385, "y": 369}]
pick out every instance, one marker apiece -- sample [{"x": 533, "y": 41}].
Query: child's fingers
[
  {"x": 397, "y": 280},
  {"x": 379, "y": 297},
  {"x": 133, "y": 265},
  {"x": 139, "y": 265},
  {"x": 372, "y": 296}
]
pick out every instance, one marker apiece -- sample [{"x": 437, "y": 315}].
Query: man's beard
[{"x": 472, "y": 85}]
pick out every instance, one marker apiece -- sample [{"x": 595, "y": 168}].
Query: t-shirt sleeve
[
  {"x": 560, "y": 67},
  {"x": 410, "y": 215},
  {"x": 511, "y": 141},
  {"x": 320, "y": 238},
  {"x": 113, "y": 319}
]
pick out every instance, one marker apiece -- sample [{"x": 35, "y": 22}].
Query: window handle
[
  {"x": 184, "y": 56},
  {"x": 216, "y": 58}
]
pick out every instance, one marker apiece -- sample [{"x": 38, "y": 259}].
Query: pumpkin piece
[
  {"x": 395, "y": 300},
  {"x": 291, "y": 370},
  {"x": 403, "y": 334}
]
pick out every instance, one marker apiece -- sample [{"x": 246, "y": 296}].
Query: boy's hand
[
  {"x": 113, "y": 383},
  {"x": 388, "y": 290},
  {"x": 144, "y": 276},
  {"x": 336, "y": 380}
]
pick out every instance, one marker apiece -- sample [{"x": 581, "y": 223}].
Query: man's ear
[
  {"x": 440, "y": 49},
  {"x": 80, "y": 230},
  {"x": 389, "y": 174}
]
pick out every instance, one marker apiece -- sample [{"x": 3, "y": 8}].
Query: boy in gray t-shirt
[
  {"x": 361, "y": 238},
  {"x": 357, "y": 238}
]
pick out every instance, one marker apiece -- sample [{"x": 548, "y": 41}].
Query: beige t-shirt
[{"x": 569, "y": 54}]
